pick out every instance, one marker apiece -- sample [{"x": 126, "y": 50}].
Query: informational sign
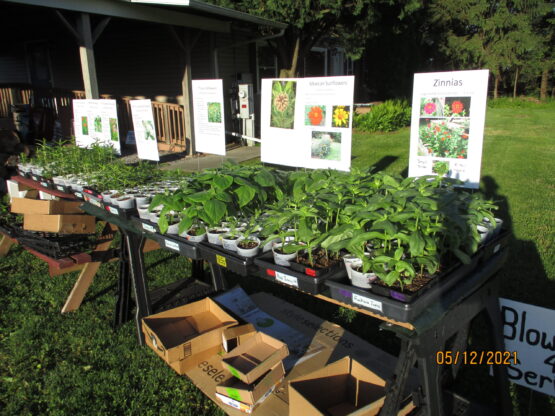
[
  {"x": 145, "y": 131},
  {"x": 82, "y": 123},
  {"x": 530, "y": 335},
  {"x": 307, "y": 122},
  {"x": 208, "y": 104},
  {"x": 447, "y": 126},
  {"x": 96, "y": 121}
]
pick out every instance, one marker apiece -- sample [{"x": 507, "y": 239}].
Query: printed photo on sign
[
  {"x": 326, "y": 145},
  {"x": 443, "y": 138},
  {"x": 341, "y": 116},
  {"x": 315, "y": 115},
  {"x": 85, "y": 126},
  {"x": 283, "y": 104},
  {"x": 148, "y": 126},
  {"x": 114, "y": 132},
  {"x": 214, "y": 113},
  {"x": 445, "y": 107}
]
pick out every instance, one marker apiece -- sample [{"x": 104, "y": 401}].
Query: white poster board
[
  {"x": 82, "y": 125},
  {"x": 145, "y": 130},
  {"x": 307, "y": 122},
  {"x": 447, "y": 125},
  {"x": 208, "y": 104},
  {"x": 530, "y": 331},
  {"x": 96, "y": 121}
]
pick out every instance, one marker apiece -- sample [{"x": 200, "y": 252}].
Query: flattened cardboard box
[
  {"x": 64, "y": 224},
  {"x": 187, "y": 330},
  {"x": 236, "y": 335},
  {"x": 251, "y": 394},
  {"x": 38, "y": 206},
  {"x": 254, "y": 357},
  {"x": 350, "y": 389},
  {"x": 208, "y": 374}
]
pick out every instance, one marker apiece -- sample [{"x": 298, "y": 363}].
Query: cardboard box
[
  {"x": 251, "y": 393},
  {"x": 235, "y": 336},
  {"x": 187, "y": 330},
  {"x": 246, "y": 397},
  {"x": 188, "y": 363},
  {"x": 37, "y": 206},
  {"x": 350, "y": 389},
  {"x": 254, "y": 357},
  {"x": 18, "y": 190},
  {"x": 64, "y": 224}
]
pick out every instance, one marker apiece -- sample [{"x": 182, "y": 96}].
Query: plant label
[
  {"x": 447, "y": 125},
  {"x": 286, "y": 279},
  {"x": 307, "y": 122},
  {"x": 149, "y": 228},
  {"x": 171, "y": 245},
  {"x": 95, "y": 202},
  {"x": 208, "y": 105},
  {"x": 60, "y": 188},
  {"x": 113, "y": 210},
  {"x": 367, "y": 302}
]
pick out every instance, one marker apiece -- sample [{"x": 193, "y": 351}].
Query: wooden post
[
  {"x": 5, "y": 244},
  {"x": 186, "y": 85},
  {"x": 86, "y": 53}
]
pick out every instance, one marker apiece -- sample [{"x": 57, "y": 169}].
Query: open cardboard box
[
  {"x": 235, "y": 336},
  {"x": 239, "y": 395},
  {"x": 64, "y": 224},
  {"x": 342, "y": 388},
  {"x": 38, "y": 206},
  {"x": 254, "y": 357},
  {"x": 185, "y": 331}
]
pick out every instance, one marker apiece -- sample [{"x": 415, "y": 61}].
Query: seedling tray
[
  {"x": 47, "y": 183},
  {"x": 126, "y": 213},
  {"x": 227, "y": 259},
  {"x": 179, "y": 293},
  {"x": 170, "y": 242},
  {"x": 54, "y": 245},
  {"x": 392, "y": 307},
  {"x": 62, "y": 188},
  {"x": 298, "y": 280}
]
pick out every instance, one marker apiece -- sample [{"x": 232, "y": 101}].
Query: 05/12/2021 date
[{"x": 476, "y": 357}]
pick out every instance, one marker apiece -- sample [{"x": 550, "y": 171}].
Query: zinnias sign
[{"x": 447, "y": 128}]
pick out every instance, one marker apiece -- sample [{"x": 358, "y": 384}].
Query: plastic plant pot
[
  {"x": 126, "y": 202},
  {"x": 280, "y": 258},
  {"x": 229, "y": 242},
  {"x": 248, "y": 252},
  {"x": 106, "y": 196},
  {"x": 141, "y": 199},
  {"x": 359, "y": 279},
  {"x": 193, "y": 238},
  {"x": 349, "y": 259},
  {"x": 213, "y": 235},
  {"x": 143, "y": 212}
]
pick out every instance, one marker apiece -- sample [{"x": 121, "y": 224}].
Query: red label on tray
[
  {"x": 271, "y": 272},
  {"x": 310, "y": 272}
]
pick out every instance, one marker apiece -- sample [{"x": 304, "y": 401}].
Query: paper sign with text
[
  {"x": 447, "y": 124},
  {"x": 96, "y": 121},
  {"x": 145, "y": 131},
  {"x": 530, "y": 331},
  {"x": 208, "y": 104},
  {"x": 307, "y": 122},
  {"x": 82, "y": 124}
]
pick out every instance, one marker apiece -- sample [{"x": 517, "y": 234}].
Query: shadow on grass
[{"x": 383, "y": 163}]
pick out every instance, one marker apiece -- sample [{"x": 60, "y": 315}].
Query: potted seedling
[{"x": 248, "y": 243}]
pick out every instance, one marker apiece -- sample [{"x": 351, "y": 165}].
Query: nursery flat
[{"x": 77, "y": 364}]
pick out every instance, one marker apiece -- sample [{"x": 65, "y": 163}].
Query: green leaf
[
  {"x": 245, "y": 194},
  {"x": 198, "y": 197},
  {"x": 185, "y": 224},
  {"x": 265, "y": 178},
  {"x": 215, "y": 211},
  {"x": 462, "y": 256},
  {"x": 163, "y": 224},
  {"x": 222, "y": 181},
  {"x": 417, "y": 244}
]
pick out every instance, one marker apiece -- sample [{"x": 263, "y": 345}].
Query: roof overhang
[{"x": 195, "y": 15}]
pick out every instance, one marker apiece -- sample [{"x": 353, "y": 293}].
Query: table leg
[{"x": 5, "y": 245}]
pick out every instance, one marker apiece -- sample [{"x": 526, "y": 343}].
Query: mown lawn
[{"x": 76, "y": 364}]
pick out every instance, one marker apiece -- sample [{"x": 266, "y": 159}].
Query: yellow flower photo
[{"x": 340, "y": 117}]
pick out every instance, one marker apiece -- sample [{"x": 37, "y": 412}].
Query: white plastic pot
[
  {"x": 125, "y": 202},
  {"x": 348, "y": 260},
  {"x": 141, "y": 199},
  {"x": 106, "y": 196},
  {"x": 229, "y": 242},
  {"x": 214, "y": 234},
  {"x": 359, "y": 279},
  {"x": 248, "y": 252},
  {"x": 193, "y": 238},
  {"x": 143, "y": 212},
  {"x": 282, "y": 259}
]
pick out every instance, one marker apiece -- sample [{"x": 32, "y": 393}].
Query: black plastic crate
[
  {"x": 46, "y": 183},
  {"x": 78, "y": 194},
  {"x": 62, "y": 188},
  {"x": 298, "y": 280},
  {"x": 179, "y": 293},
  {"x": 227, "y": 259},
  {"x": 169, "y": 241},
  {"x": 56, "y": 245}
]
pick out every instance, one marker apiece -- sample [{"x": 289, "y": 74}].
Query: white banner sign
[
  {"x": 145, "y": 131},
  {"x": 447, "y": 126},
  {"x": 208, "y": 104},
  {"x": 307, "y": 122},
  {"x": 530, "y": 331},
  {"x": 96, "y": 121}
]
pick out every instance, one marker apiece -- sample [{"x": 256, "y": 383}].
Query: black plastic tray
[
  {"x": 395, "y": 309},
  {"x": 47, "y": 183},
  {"x": 171, "y": 242},
  {"x": 227, "y": 259},
  {"x": 127, "y": 213},
  {"x": 62, "y": 188},
  {"x": 179, "y": 293},
  {"x": 314, "y": 271},
  {"x": 295, "y": 279}
]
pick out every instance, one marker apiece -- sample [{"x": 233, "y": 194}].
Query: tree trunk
[
  {"x": 543, "y": 85},
  {"x": 496, "y": 86},
  {"x": 291, "y": 72},
  {"x": 516, "y": 82}
]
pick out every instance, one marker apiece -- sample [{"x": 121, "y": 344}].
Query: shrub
[
  {"x": 389, "y": 116},
  {"x": 520, "y": 102}
]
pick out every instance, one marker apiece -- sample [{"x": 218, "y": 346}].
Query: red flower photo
[{"x": 315, "y": 115}]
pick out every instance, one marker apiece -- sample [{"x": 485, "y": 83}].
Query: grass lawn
[{"x": 77, "y": 364}]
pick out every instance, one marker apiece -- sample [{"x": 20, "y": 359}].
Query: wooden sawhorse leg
[{"x": 5, "y": 245}]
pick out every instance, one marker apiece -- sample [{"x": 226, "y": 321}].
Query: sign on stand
[
  {"x": 145, "y": 131},
  {"x": 96, "y": 121},
  {"x": 307, "y": 122},
  {"x": 447, "y": 125},
  {"x": 530, "y": 335},
  {"x": 208, "y": 104}
]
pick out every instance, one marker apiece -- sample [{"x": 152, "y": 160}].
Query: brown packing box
[
  {"x": 65, "y": 224},
  {"x": 38, "y": 206},
  {"x": 350, "y": 389},
  {"x": 187, "y": 330},
  {"x": 235, "y": 336},
  {"x": 190, "y": 362},
  {"x": 251, "y": 394},
  {"x": 254, "y": 357}
]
